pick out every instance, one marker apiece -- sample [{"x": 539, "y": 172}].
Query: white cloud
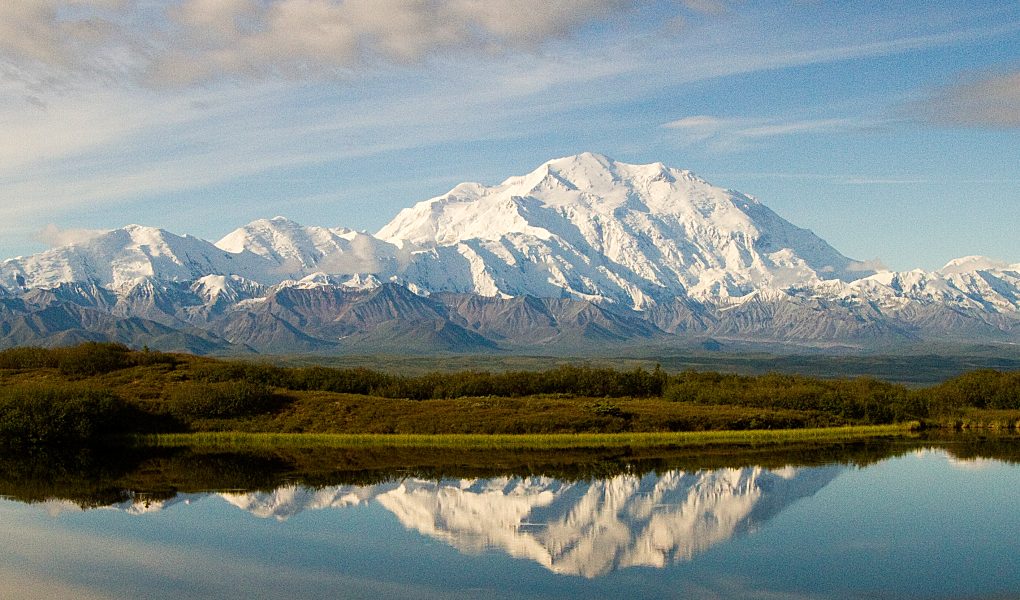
[
  {"x": 196, "y": 40},
  {"x": 54, "y": 236},
  {"x": 39, "y": 31},
  {"x": 698, "y": 128},
  {"x": 739, "y": 133},
  {"x": 794, "y": 127},
  {"x": 972, "y": 464},
  {"x": 989, "y": 101},
  {"x": 188, "y": 41},
  {"x": 861, "y": 266},
  {"x": 696, "y": 122},
  {"x": 299, "y": 38}
]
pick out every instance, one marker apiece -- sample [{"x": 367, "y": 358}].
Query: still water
[{"x": 922, "y": 523}]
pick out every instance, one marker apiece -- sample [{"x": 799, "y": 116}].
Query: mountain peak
[
  {"x": 296, "y": 250},
  {"x": 588, "y": 171},
  {"x": 583, "y": 161},
  {"x": 967, "y": 264},
  {"x": 599, "y": 229},
  {"x": 120, "y": 258}
]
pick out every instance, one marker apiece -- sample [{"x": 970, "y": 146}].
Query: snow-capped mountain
[
  {"x": 120, "y": 258},
  {"x": 974, "y": 283},
  {"x": 297, "y": 251},
  {"x": 583, "y": 252},
  {"x": 584, "y": 528},
  {"x": 593, "y": 228}
]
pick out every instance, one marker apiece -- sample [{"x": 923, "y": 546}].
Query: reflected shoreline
[{"x": 99, "y": 478}]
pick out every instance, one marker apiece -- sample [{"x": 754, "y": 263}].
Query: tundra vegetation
[{"x": 93, "y": 392}]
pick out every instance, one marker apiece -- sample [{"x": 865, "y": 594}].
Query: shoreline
[{"x": 471, "y": 441}]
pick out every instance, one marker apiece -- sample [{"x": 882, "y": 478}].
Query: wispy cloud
[
  {"x": 987, "y": 101},
  {"x": 867, "y": 180},
  {"x": 885, "y": 181},
  {"x": 300, "y": 37},
  {"x": 136, "y": 144},
  {"x": 54, "y": 236},
  {"x": 188, "y": 41},
  {"x": 64, "y": 33},
  {"x": 739, "y": 133},
  {"x": 862, "y": 266}
]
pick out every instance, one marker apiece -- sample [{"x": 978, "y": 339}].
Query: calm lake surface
[{"x": 919, "y": 523}]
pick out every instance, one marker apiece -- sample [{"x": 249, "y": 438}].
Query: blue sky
[{"x": 891, "y": 129}]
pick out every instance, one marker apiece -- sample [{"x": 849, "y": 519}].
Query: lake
[{"x": 917, "y": 520}]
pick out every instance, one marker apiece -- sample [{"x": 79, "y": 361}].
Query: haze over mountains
[{"x": 584, "y": 252}]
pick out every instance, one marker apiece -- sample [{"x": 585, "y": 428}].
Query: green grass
[
  {"x": 252, "y": 441},
  {"x": 979, "y": 419}
]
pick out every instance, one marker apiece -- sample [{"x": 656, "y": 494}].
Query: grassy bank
[
  {"x": 978, "y": 420},
  {"x": 671, "y": 440},
  {"x": 88, "y": 393}
]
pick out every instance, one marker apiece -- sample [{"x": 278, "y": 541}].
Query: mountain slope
[
  {"x": 119, "y": 258},
  {"x": 593, "y": 228},
  {"x": 296, "y": 251}
]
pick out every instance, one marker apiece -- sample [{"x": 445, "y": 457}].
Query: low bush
[
  {"x": 84, "y": 360},
  {"x": 28, "y": 357},
  {"x": 861, "y": 400},
  {"x": 40, "y": 414},
  {"x": 92, "y": 359},
  {"x": 191, "y": 400},
  {"x": 344, "y": 381},
  {"x": 605, "y": 408},
  {"x": 226, "y": 371},
  {"x": 978, "y": 389}
]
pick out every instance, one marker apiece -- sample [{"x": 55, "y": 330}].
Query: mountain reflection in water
[
  {"x": 911, "y": 519},
  {"x": 586, "y": 528}
]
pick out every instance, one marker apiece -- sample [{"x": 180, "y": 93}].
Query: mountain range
[{"x": 582, "y": 254}]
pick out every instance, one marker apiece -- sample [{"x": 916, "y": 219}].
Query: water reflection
[
  {"x": 587, "y": 528},
  {"x": 902, "y": 520},
  {"x": 592, "y": 528}
]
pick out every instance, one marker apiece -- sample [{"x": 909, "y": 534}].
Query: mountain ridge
[{"x": 584, "y": 250}]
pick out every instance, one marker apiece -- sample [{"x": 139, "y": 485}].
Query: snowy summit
[{"x": 595, "y": 228}]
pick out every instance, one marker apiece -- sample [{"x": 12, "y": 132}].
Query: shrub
[
  {"x": 92, "y": 359},
  {"x": 346, "y": 381},
  {"x": 978, "y": 389},
  {"x": 47, "y": 414},
  {"x": 221, "y": 400},
  {"x": 861, "y": 400},
  {"x": 228, "y": 371},
  {"x": 605, "y": 408},
  {"x": 28, "y": 358},
  {"x": 148, "y": 357}
]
